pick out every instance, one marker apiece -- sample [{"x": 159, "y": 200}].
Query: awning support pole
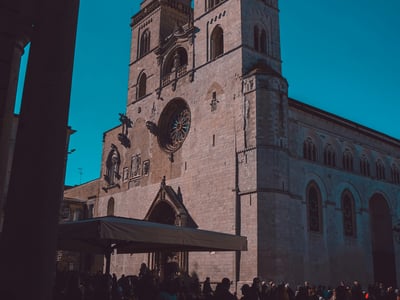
[{"x": 107, "y": 255}]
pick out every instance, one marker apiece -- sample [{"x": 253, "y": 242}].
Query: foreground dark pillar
[
  {"x": 28, "y": 242},
  {"x": 14, "y": 31}
]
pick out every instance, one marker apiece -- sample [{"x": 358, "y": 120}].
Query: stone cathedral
[{"x": 210, "y": 139}]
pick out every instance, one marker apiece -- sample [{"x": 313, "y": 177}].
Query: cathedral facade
[{"x": 210, "y": 139}]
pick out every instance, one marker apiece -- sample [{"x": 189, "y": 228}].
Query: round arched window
[{"x": 174, "y": 125}]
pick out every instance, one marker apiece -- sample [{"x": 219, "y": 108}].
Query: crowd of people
[{"x": 147, "y": 286}]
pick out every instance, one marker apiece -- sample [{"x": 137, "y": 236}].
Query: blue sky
[{"x": 341, "y": 56}]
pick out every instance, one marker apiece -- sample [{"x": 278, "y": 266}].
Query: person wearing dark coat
[
  {"x": 222, "y": 291},
  {"x": 207, "y": 290}
]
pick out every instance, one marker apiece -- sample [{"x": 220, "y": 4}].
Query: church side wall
[{"x": 346, "y": 258}]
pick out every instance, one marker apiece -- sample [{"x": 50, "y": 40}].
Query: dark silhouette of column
[
  {"x": 14, "y": 31},
  {"x": 29, "y": 237}
]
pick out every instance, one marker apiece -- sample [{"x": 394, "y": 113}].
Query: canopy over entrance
[{"x": 104, "y": 234}]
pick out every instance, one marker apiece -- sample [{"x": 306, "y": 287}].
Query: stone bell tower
[{"x": 156, "y": 20}]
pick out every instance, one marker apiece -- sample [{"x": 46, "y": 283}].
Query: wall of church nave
[
  {"x": 339, "y": 144},
  {"x": 349, "y": 263},
  {"x": 348, "y": 244},
  {"x": 281, "y": 246},
  {"x": 343, "y": 244}
]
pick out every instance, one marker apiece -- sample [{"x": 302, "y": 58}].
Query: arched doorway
[
  {"x": 382, "y": 241},
  {"x": 168, "y": 263},
  {"x": 163, "y": 213}
]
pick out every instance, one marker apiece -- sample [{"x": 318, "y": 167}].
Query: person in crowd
[
  {"x": 302, "y": 293},
  {"x": 169, "y": 290},
  {"x": 356, "y": 291},
  {"x": 341, "y": 293},
  {"x": 269, "y": 293},
  {"x": 222, "y": 290},
  {"x": 207, "y": 289},
  {"x": 312, "y": 293},
  {"x": 246, "y": 292},
  {"x": 288, "y": 292},
  {"x": 143, "y": 271},
  {"x": 390, "y": 293},
  {"x": 256, "y": 289}
]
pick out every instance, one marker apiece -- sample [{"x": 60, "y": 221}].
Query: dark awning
[{"x": 98, "y": 235}]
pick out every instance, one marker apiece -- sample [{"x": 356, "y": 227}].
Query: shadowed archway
[
  {"x": 382, "y": 241},
  {"x": 168, "y": 208}
]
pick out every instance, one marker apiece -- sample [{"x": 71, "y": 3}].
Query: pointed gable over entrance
[{"x": 168, "y": 208}]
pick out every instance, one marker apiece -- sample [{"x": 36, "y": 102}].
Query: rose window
[{"x": 174, "y": 125}]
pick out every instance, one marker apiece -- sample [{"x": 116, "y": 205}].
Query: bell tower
[
  {"x": 261, "y": 34},
  {"x": 151, "y": 26}
]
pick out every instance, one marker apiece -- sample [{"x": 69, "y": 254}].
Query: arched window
[
  {"x": 348, "y": 160},
  {"x": 175, "y": 61},
  {"x": 395, "y": 174},
  {"x": 260, "y": 40},
  {"x": 217, "y": 42},
  {"x": 110, "y": 207},
  {"x": 212, "y": 3},
  {"x": 112, "y": 166},
  {"x": 263, "y": 41},
  {"x": 314, "y": 208},
  {"x": 329, "y": 156},
  {"x": 142, "y": 86},
  {"x": 256, "y": 38},
  {"x": 380, "y": 170},
  {"x": 364, "y": 165},
  {"x": 309, "y": 150},
  {"x": 349, "y": 216},
  {"x": 144, "y": 46}
]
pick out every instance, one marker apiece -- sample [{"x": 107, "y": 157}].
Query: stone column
[
  {"x": 14, "y": 32},
  {"x": 28, "y": 241}
]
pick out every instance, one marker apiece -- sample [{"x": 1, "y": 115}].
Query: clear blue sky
[{"x": 341, "y": 56}]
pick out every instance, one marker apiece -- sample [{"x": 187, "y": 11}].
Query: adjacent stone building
[{"x": 211, "y": 139}]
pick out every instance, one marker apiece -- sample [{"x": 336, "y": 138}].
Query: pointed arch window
[
  {"x": 256, "y": 38},
  {"x": 349, "y": 216},
  {"x": 110, "y": 207},
  {"x": 112, "y": 166},
  {"x": 395, "y": 174},
  {"x": 309, "y": 150},
  {"x": 144, "y": 46},
  {"x": 347, "y": 160},
  {"x": 380, "y": 170},
  {"x": 217, "y": 42},
  {"x": 314, "y": 208},
  {"x": 142, "y": 86},
  {"x": 329, "y": 156},
  {"x": 260, "y": 40},
  {"x": 364, "y": 165},
  {"x": 263, "y": 41}
]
